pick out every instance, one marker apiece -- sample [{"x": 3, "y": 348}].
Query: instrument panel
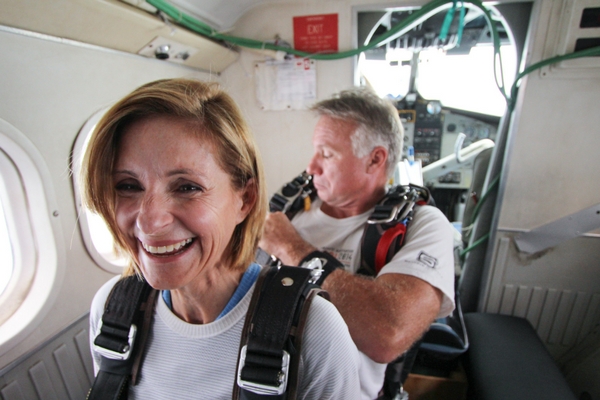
[{"x": 433, "y": 130}]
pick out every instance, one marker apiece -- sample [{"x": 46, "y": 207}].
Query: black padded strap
[
  {"x": 109, "y": 386},
  {"x": 130, "y": 302},
  {"x": 120, "y": 312},
  {"x": 273, "y": 317},
  {"x": 278, "y": 297},
  {"x": 397, "y": 196}
]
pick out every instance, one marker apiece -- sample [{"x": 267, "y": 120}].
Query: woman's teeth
[{"x": 166, "y": 249}]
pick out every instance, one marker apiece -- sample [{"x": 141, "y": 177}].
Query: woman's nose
[{"x": 154, "y": 215}]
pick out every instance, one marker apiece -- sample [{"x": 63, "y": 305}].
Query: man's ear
[{"x": 377, "y": 159}]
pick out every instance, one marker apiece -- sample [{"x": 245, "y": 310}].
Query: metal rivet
[{"x": 287, "y": 281}]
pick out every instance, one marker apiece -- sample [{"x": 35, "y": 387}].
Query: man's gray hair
[{"x": 377, "y": 119}]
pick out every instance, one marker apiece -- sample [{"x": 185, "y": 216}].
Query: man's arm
[{"x": 385, "y": 315}]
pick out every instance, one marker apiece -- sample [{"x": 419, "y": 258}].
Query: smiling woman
[{"x": 174, "y": 172}]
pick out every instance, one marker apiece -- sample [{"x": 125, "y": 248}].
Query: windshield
[{"x": 461, "y": 81}]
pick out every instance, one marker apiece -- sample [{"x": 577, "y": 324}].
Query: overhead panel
[{"x": 115, "y": 25}]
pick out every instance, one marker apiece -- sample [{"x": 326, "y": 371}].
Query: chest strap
[{"x": 121, "y": 337}]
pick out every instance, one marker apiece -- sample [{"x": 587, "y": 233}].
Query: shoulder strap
[
  {"x": 382, "y": 239},
  {"x": 121, "y": 337},
  {"x": 386, "y": 228},
  {"x": 272, "y": 336}
]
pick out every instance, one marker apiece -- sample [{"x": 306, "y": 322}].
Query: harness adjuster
[
  {"x": 292, "y": 193},
  {"x": 394, "y": 208},
  {"x": 108, "y": 345},
  {"x": 261, "y": 387}
]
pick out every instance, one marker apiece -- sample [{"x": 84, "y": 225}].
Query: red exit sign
[{"x": 316, "y": 33}]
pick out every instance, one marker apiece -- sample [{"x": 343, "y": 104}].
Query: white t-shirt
[
  {"x": 427, "y": 253},
  {"x": 190, "y": 361}
]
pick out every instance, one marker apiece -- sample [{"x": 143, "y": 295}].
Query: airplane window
[
  {"x": 443, "y": 71},
  {"x": 6, "y": 266},
  {"x": 30, "y": 257},
  {"x": 459, "y": 74},
  {"x": 16, "y": 239},
  {"x": 389, "y": 77},
  {"x": 96, "y": 236},
  {"x": 466, "y": 82}
]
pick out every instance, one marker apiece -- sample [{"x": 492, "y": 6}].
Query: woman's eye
[
  {"x": 128, "y": 187},
  {"x": 189, "y": 188}
]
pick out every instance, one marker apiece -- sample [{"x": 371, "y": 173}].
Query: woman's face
[{"x": 175, "y": 205}]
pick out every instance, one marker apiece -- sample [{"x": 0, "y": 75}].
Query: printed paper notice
[{"x": 286, "y": 85}]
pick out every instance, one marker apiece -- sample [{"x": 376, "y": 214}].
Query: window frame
[
  {"x": 107, "y": 262},
  {"x": 39, "y": 263}
]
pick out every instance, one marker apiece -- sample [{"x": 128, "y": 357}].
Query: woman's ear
[
  {"x": 377, "y": 159},
  {"x": 248, "y": 196}
]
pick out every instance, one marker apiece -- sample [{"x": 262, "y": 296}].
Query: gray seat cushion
[{"x": 507, "y": 360}]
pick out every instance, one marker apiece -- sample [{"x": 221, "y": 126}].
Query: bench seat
[{"x": 507, "y": 360}]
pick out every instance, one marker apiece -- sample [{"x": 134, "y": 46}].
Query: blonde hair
[{"x": 216, "y": 112}]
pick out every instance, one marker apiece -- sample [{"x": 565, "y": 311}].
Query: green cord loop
[{"x": 448, "y": 21}]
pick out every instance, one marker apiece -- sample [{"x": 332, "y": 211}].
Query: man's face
[{"x": 339, "y": 176}]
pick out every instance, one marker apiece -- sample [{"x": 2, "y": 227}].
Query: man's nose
[{"x": 314, "y": 167}]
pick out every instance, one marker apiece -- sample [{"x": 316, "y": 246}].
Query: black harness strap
[
  {"x": 273, "y": 329},
  {"x": 384, "y": 234},
  {"x": 128, "y": 308},
  {"x": 297, "y": 332},
  {"x": 269, "y": 348}
]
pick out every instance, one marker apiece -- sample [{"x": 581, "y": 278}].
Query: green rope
[
  {"x": 594, "y": 51},
  {"x": 475, "y": 244},
  {"x": 484, "y": 197},
  {"x": 205, "y": 30}
]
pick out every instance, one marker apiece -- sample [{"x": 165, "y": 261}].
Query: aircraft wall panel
[
  {"x": 40, "y": 377},
  {"x": 57, "y": 370},
  {"x": 556, "y": 292},
  {"x": 551, "y": 135}
]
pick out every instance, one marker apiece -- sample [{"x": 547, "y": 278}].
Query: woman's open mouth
[{"x": 169, "y": 250}]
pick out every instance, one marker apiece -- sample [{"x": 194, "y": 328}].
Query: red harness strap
[{"x": 385, "y": 242}]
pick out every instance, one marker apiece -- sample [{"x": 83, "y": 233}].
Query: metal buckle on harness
[
  {"x": 394, "y": 213},
  {"x": 287, "y": 196},
  {"x": 316, "y": 266},
  {"x": 116, "y": 355},
  {"x": 261, "y": 388}
]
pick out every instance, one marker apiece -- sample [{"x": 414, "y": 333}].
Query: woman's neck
[{"x": 202, "y": 302}]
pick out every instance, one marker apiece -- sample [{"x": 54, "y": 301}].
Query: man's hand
[{"x": 281, "y": 239}]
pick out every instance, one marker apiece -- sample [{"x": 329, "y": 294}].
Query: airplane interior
[{"x": 499, "y": 106}]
